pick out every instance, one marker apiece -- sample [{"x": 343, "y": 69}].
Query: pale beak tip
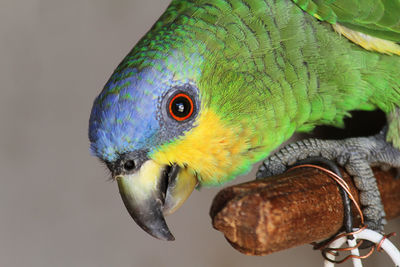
[{"x": 168, "y": 237}]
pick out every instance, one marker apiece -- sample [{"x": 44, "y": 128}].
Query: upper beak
[{"x": 154, "y": 191}]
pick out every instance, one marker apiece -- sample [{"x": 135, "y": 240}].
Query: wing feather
[{"x": 377, "y": 18}]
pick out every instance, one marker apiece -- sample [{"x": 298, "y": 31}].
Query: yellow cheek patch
[{"x": 213, "y": 150}]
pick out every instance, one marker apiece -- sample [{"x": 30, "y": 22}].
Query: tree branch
[{"x": 295, "y": 208}]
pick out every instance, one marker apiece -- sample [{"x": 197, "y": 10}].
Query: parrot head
[
  {"x": 171, "y": 117},
  {"x": 156, "y": 131},
  {"x": 137, "y": 114}
]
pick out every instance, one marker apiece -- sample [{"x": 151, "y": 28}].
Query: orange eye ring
[{"x": 181, "y": 107}]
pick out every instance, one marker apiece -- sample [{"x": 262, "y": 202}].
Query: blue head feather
[{"x": 125, "y": 115}]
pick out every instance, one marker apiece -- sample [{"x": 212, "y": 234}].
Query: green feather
[{"x": 379, "y": 18}]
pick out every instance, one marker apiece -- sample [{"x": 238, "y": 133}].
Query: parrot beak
[{"x": 154, "y": 191}]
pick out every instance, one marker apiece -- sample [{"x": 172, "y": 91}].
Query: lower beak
[{"x": 154, "y": 191}]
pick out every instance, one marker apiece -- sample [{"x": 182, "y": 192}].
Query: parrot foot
[{"x": 356, "y": 155}]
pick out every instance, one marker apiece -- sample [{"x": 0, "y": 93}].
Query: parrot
[{"x": 216, "y": 86}]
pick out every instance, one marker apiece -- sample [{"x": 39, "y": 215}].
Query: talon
[{"x": 355, "y": 155}]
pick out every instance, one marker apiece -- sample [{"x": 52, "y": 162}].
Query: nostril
[
  {"x": 119, "y": 177},
  {"x": 129, "y": 165}
]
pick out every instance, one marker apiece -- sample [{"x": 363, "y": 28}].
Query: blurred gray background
[{"x": 56, "y": 206}]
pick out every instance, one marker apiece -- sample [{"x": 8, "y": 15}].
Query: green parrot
[{"x": 216, "y": 85}]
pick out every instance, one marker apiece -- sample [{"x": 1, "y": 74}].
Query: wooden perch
[{"x": 295, "y": 208}]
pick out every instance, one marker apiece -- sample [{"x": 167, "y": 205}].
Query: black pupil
[
  {"x": 129, "y": 165},
  {"x": 181, "y": 107}
]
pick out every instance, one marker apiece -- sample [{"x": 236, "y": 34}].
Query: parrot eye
[{"x": 181, "y": 107}]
